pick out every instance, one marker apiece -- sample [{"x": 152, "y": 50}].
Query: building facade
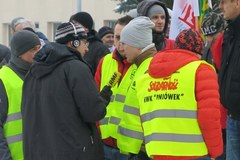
[{"x": 48, "y": 14}]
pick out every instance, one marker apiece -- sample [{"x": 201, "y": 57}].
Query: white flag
[{"x": 183, "y": 16}]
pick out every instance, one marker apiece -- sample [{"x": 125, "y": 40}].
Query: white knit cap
[{"x": 138, "y": 32}]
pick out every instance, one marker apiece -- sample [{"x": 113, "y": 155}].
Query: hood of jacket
[
  {"x": 50, "y": 56},
  {"x": 167, "y": 62},
  {"x": 143, "y": 8}
]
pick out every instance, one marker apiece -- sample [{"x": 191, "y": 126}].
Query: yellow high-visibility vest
[
  {"x": 109, "y": 124},
  {"x": 12, "y": 128},
  {"x": 168, "y": 110},
  {"x": 130, "y": 134}
]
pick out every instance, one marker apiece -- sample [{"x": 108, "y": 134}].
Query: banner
[{"x": 187, "y": 14}]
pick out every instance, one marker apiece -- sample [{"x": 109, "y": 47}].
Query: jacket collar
[{"x": 146, "y": 54}]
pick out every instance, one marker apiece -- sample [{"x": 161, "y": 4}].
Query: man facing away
[
  {"x": 24, "y": 45},
  {"x": 179, "y": 103},
  {"x": 61, "y": 103},
  {"x": 229, "y": 75}
]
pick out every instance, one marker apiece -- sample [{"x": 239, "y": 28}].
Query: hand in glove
[{"x": 106, "y": 93}]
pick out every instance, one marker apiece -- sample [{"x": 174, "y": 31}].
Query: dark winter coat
[
  {"x": 97, "y": 50},
  {"x": 4, "y": 55},
  {"x": 60, "y": 106},
  {"x": 229, "y": 74}
]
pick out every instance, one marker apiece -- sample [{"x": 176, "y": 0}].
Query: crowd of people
[{"x": 174, "y": 100}]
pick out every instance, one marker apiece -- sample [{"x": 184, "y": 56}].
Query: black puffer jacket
[
  {"x": 60, "y": 107},
  {"x": 97, "y": 50},
  {"x": 229, "y": 74}
]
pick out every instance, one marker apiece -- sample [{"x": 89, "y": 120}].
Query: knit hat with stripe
[{"x": 67, "y": 32}]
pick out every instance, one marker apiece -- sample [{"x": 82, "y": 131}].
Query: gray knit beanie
[
  {"x": 23, "y": 41},
  {"x": 155, "y": 9},
  {"x": 138, "y": 32}
]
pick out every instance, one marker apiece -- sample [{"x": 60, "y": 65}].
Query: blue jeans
[
  {"x": 233, "y": 139},
  {"x": 113, "y": 154}
]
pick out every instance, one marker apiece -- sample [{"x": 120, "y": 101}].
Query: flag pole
[{"x": 196, "y": 23}]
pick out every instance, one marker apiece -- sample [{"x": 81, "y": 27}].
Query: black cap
[
  {"x": 104, "y": 30},
  {"x": 212, "y": 23}
]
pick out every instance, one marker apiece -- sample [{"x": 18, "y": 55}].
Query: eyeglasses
[{"x": 85, "y": 42}]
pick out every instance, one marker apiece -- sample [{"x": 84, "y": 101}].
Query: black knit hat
[
  {"x": 212, "y": 23},
  {"x": 104, "y": 30},
  {"x": 83, "y": 18},
  {"x": 67, "y": 32},
  {"x": 191, "y": 40},
  {"x": 23, "y": 41}
]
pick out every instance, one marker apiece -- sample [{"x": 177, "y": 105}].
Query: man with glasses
[
  {"x": 61, "y": 103},
  {"x": 97, "y": 49}
]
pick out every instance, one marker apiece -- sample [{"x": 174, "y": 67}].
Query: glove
[{"x": 106, "y": 93}]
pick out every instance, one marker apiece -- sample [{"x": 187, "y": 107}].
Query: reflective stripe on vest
[
  {"x": 13, "y": 126},
  {"x": 109, "y": 124},
  {"x": 14, "y": 117},
  {"x": 14, "y": 139},
  {"x": 173, "y": 137},
  {"x": 120, "y": 98},
  {"x": 168, "y": 114},
  {"x": 168, "y": 110},
  {"x": 130, "y": 133},
  {"x": 131, "y": 110}
]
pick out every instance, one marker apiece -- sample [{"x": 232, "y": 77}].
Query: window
[
  {"x": 52, "y": 27},
  {"x": 109, "y": 23}
]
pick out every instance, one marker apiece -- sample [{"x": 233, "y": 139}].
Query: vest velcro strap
[
  {"x": 131, "y": 133},
  {"x": 14, "y": 139},
  {"x": 104, "y": 121},
  {"x": 169, "y": 114},
  {"x": 120, "y": 98},
  {"x": 114, "y": 120},
  {"x": 14, "y": 117},
  {"x": 187, "y": 138},
  {"x": 131, "y": 110}
]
